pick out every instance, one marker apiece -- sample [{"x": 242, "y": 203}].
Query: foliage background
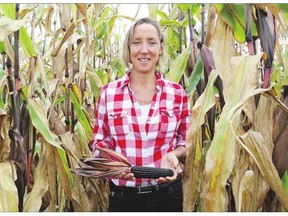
[{"x": 56, "y": 57}]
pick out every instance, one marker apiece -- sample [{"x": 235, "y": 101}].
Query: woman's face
[{"x": 145, "y": 48}]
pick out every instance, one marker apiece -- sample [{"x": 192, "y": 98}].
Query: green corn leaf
[
  {"x": 162, "y": 14},
  {"x": 285, "y": 183},
  {"x": 94, "y": 82},
  {"x": 59, "y": 100},
  {"x": 178, "y": 66},
  {"x": 234, "y": 16},
  {"x": 82, "y": 117},
  {"x": 195, "y": 76},
  {"x": 152, "y": 10},
  {"x": 25, "y": 40},
  {"x": 2, "y": 47},
  {"x": 40, "y": 121},
  {"x": 64, "y": 163},
  {"x": 164, "y": 22},
  {"x": 101, "y": 29}
]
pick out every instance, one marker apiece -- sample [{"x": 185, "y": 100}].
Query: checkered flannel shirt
[{"x": 117, "y": 127}]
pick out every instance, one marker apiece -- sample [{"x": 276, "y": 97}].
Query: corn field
[{"x": 232, "y": 60}]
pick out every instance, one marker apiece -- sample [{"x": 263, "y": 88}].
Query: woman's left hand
[{"x": 169, "y": 161}]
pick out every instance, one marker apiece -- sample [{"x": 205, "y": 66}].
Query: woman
[{"x": 145, "y": 118}]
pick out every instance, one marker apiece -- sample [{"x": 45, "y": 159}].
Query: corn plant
[{"x": 56, "y": 58}]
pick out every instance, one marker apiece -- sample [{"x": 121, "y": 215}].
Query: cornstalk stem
[
  {"x": 203, "y": 23},
  {"x": 248, "y": 30},
  {"x": 191, "y": 29},
  {"x": 67, "y": 100},
  {"x": 16, "y": 75},
  {"x": 266, "y": 77}
]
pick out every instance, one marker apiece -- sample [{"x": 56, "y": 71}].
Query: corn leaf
[
  {"x": 82, "y": 117},
  {"x": 8, "y": 190},
  {"x": 193, "y": 173},
  {"x": 285, "y": 183},
  {"x": 66, "y": 178},
  {"x": 40, "y": 121},
  {"x": 95, "y": 81},
  {"x": 195, "y": 76},
  {"x": 9, "y": 26},
  {"x": 220, "y": 157},
  {"x": 49, "y": 156},
  {"x": 33, "y": 200},
  {"x": 25, "y": 40},
  {"x": 234, "y": 16},
  {"x": 2, "y": 47},
  {"x": 254, "y": 142},
  {"x": 178, "y": 66},
  {"x": 4, "y": 138}
]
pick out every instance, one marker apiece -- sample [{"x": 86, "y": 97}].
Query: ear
[{"x": 161, "y": 48}]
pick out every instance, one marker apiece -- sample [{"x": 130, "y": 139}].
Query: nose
[{"x": 144, "y": 48}]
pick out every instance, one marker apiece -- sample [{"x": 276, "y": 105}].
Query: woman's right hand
[{"x": 126, "y": 176}]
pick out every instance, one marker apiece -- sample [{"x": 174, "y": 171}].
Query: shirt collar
[{"x": 126, "y": 78}]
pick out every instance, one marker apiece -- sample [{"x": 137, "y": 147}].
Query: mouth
[{"x": 143, "y": 60}]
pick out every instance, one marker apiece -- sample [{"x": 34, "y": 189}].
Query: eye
[
  {"x": 136, "y": 42},
  {"x": 152, "y": 42}
]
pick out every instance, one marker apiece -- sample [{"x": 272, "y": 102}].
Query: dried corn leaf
[
  {"x": 246, "y": 192},
  {"x": 113, "y": 155},
  {"x": 9, "y": 26},
  {"x": 49, "y": 155},
  {"x": 220, "y": 158},
  {"x": 4, "y": 139},
  {"x": 33, "y": 200},
  {"x": 100, "y": 174},
  {"x": 66, "y": 180},
  {"x": 8, "y": 190},
  {"x": 223, "y": 48},
  {"x": 109, "y": 165},
  {"x": 254, "y": 142},
  {"x": 192, "y": 174}
]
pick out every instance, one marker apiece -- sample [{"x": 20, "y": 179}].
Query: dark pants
[{"x": 166, "y": 198}]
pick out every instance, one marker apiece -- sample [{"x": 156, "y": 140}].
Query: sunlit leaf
[
  {"x": 218, "y": 168},
  {"x": 234, "y": 16},
  {"x": 285, "y": 183},
  {"x": 9, "y": 195},
  {"x": 2, "y": 47},
  {"x": 64, "y": 171},
  {"x": 193, "y": 171},
  {"x": 254, "y": 142},
  {"x": 9, "y": 26},
  {"x": 101, "y": 29},
  {"x": 82, "y": 117},
  {"x": 195, "y": 76},
  {"x": 33, "y": 200},
  {"x": 25, "y": 40},
  {"x": 40, "y": 121},
  {"x": 178, "y": 66},
  {"x": 95, "y": 82}
]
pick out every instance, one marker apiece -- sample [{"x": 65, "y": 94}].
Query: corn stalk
[{"x": 231, "y": 165}]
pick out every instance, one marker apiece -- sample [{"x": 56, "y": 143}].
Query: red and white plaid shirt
[{"x": 117, "y": 125}]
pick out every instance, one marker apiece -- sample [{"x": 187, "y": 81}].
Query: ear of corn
[
  {"x": 111, "y": 164},
  {"x": 150, "y": 172}
]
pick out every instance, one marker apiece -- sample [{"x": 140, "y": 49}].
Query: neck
[{"x": 140, "y": 79}]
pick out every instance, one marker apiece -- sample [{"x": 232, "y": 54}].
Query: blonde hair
[{"x": 129, "y": 35}]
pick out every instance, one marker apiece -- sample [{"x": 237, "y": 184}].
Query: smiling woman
[{"x": 145, "y": 118}]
